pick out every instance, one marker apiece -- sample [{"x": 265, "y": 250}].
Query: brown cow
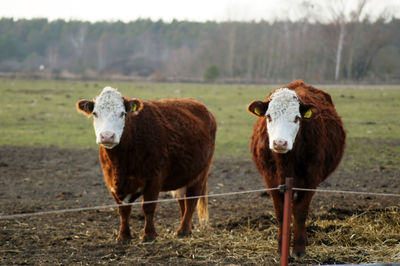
[
  {"x": 300, "y": 135},
  {"x": 152, "y": 146}
]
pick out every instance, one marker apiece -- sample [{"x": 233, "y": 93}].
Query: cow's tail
[
  {"x": 202, "y": 203},
  {"x": 202, "y": 206}
]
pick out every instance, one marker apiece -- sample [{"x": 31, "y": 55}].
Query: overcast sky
[{"x": 167, "y": 10}]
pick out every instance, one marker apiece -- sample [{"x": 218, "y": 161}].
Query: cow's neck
[
  {"x": 113, "y": 155},
  {"x": 286, "y": 165}
]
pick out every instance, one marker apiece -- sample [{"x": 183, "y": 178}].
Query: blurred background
[{"x": 224, "y": 41}]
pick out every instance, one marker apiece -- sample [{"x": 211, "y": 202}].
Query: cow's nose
[
  {"x": 107, "y": 137},
  {"x": 280, "y": 144}
]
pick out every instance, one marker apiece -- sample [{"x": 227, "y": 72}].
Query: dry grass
[
  {"x": 354, "y": 237},
  {"x": 335, "y": 236}
]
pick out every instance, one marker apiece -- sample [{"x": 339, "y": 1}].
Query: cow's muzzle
[
  {"x": 280, "y": 146},
  {"x": 108, "y": 139}
]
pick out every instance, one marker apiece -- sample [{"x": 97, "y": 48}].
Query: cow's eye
[
  {"x": 94, "y": 114},
  {"x": 297, "y": 119},
  {"x": 122, "y": 114},
  {"x": 269, "y": 118}
]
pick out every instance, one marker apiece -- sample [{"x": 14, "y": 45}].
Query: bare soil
[{"x": 241, "y": 231}]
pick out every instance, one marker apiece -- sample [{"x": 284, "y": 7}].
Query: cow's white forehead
[
  {"x": 109, "y": 99},
  {"x": 283, "y": 101}
]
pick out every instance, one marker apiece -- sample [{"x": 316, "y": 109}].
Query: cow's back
[
  {"x": 175, "y": 137},
  {"x": 190, "y": 133}
]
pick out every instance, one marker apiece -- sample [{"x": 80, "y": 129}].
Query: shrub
[{"x": 211, "y": 74}]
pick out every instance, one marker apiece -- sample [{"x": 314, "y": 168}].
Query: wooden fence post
[{"x": 287, "y": 211}]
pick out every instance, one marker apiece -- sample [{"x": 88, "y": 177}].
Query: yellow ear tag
[
  {"x": 134, "y": 108},
  {"x": 257, "y": 111},
  {"x": 308, "y": 113}
]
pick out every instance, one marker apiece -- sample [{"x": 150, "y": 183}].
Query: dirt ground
[{"x": 241, "y": 231}]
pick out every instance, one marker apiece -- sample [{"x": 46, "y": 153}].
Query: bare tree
[
  {"x": 102, "y": 51},
  {"x": 78, "y": 43},
  {"x": 355, "y": 18},
  {"x": 231, "y": 48},
  {"x": 78, "y": 40},
  {"x": 339, "y": 16},
  {"x": 339, "y": 50}
]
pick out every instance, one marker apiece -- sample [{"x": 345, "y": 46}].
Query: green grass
[
  {"x": 369, "y": 113},
  {"x": 42, "y": 113}
]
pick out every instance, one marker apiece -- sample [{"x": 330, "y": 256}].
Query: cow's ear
[
  {"x": 309, "y": 110},
  {"x": 258, "y": 108},
  {"x": 85, "y": 107},
  {"x": 133, "y": 105}
]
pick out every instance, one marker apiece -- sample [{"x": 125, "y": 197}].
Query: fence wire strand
[
  {"x": 22, "y": 215},
  {"x": 31, "y": 214},
  {"x": 365, "y": 193}
]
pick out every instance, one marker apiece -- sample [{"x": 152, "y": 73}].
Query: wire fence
[
  {"x": 79, "y": 209},
  {"x": 364, "y": 193}
]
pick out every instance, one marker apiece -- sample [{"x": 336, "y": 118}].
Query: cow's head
[
  {"x": 284, "y": 112},
  {"x": 109, "y": 111}
]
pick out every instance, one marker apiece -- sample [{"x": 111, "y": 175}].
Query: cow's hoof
[
  {"x": 183, "y": 233},
  {"x": 300, "y": 254},
  {"x": 147, "y": 238},
  {"x": 124, "y": 239}
]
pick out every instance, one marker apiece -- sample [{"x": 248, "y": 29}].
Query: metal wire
[
  {"x": 24, "y": 215},
  {"x": 349, "y": 192}
]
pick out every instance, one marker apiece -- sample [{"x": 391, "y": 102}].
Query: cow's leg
[
  {"x": 124, "y": 231},
  {"x": 199, "y": 188},
  {"x": 182, "y": 207},
  {"x": 149, "y": 210},
  {"x": 185, "y": 227},
  {"x": 301, "y": 207},
  {"x": 180, "y": 195},
  {"x": 278, "y": 197}
]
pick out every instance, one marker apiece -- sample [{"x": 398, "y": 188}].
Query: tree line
[{"x": 181, "y": 50}]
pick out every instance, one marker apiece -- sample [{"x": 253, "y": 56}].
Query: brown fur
[
  {"x": 317, "y": 151},
  {"x": 165, "y": 145}
]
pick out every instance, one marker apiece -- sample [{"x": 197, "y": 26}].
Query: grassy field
[{"x": 42, "y": 113}]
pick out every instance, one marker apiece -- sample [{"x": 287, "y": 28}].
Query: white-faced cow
[
  {"x": 152, "y": 146},
  {"x": 300, "y": 135}
]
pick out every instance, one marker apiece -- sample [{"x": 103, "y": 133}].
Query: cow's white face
[
  {"x": 109, "y": 117},
  {"x": 283, "y": 120},
  {"x": 283, "y": 112},
  {"x": 109, "y": 110}
]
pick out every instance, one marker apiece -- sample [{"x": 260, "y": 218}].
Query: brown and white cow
[
  {"x": 152, "y": 146},
  {"x": 300, "y": 135}
]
